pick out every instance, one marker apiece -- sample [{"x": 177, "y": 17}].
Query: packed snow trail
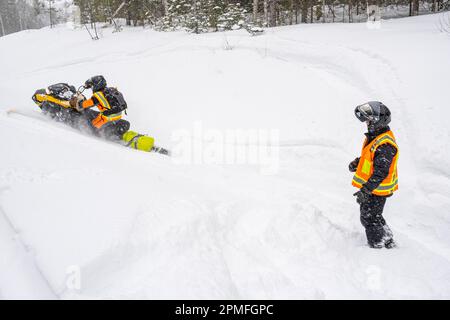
[{"x": 225, "y": 231}]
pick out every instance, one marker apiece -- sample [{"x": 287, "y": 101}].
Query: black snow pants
[
  {"x": 377, "y": 231},
  {"x": 113, "y": 130}
]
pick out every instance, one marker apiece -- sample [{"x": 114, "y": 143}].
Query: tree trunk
[
  {"x": 143, "y": 14},
  {"x": 331, "y": 8},
  {"x": 128, "y": 13},
  {"x": 291, "y": 12},
  {"x": 50, "y": 12},
  {"x": 416, "y": 7},
  {"x": 343, "y": 13},
  {"x": 166, "y": 7},
  {"x": 323, "y": 11},
  {"x": 255, "y": 11},
  {"x": 2, "y": 26},
  {"x": 266, "y": 16},
  {"x": 304, "y": 11},
  {"x": 350, "y": 11},
  {"x": 272, "y": 13}
]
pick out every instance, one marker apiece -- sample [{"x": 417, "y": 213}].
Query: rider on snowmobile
[
  {"x": 65, "y": 104},
  {"x": 107, "y": 122}
]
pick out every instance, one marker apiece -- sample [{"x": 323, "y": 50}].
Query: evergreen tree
[{"x": 233, "y": 17}]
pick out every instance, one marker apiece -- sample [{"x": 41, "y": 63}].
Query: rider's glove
[
  {"x": 79, "y": 106},
  {"x": 353, "y": 165},
  {"x": 362, "y": 196},
  {"x": 73, "y": 102}
]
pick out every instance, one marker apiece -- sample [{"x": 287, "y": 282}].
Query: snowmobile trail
[
  {"x": 45, "y": 122},
  {"x": 34, "y": 116},
  {"x": 36, "y": 121}
]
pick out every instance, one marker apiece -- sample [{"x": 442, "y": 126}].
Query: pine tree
[
  {"x": 177, "y": 14},
  {"x": 233, "y": 17}
]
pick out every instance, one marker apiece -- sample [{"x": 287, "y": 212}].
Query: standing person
[{"x": 375, "y": 172}]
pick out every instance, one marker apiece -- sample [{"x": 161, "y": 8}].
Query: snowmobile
[{"x": 54, "y": 101}]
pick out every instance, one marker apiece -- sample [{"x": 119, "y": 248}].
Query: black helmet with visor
[{"x": 375, "y": 114}]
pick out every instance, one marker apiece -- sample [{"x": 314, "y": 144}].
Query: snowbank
[{"x": 123, "y": 224}]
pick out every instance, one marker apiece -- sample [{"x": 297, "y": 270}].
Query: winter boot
[{"x": 390, "y": 244}]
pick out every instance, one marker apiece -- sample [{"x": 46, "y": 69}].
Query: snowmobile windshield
[{"x": 368, "y": 112}]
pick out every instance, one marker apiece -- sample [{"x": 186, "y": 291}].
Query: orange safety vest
[
  {"x": 365, "y": 166},
  {"x": 103, "y": 105}
]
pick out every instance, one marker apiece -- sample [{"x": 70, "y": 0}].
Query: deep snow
[{"x": 138, "y": 225}]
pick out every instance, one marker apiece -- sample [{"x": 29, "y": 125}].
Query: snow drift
[{"x": 83, "y": 218}]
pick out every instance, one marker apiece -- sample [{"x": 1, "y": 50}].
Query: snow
[{"x": 138, "y": 225}]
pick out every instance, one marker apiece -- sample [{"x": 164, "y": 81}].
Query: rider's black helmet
[
  {"x": 97, "y": 83},
  {"x": 375, "y": 113}
]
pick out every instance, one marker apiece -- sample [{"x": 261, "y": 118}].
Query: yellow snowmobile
[{"x": 54, "y": 101}]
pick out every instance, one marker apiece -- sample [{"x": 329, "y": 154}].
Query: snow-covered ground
[{"x": 83, "y": 218}]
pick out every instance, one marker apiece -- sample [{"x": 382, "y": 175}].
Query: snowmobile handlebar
[{"x": 81, "y": 89}]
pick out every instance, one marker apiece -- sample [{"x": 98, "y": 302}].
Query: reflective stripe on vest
[
  {"x": 365, "y": 167},
  {"x": 380, "y": 141},
  {"x": 100, "y": 120},
  {"x": 103, "y": 102},
  {"x": 381, "y": 188}
]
